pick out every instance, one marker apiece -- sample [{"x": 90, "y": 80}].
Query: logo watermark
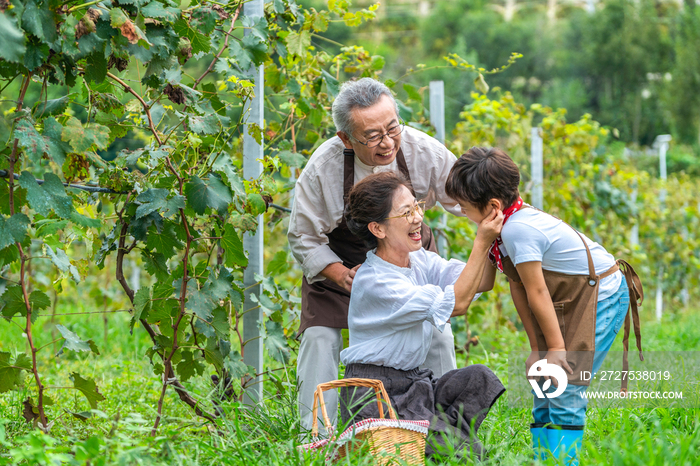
[
  {"x": 668, "y": 379},
  {"x": 543, "y": 369}
]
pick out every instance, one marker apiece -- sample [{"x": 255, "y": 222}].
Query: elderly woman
[{"x": 400, "y": 296}]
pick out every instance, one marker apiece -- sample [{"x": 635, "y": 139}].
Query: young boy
[{"x": 568, "y": 290}]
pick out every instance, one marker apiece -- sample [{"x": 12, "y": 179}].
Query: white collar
[{"x": 375, "y": 260}]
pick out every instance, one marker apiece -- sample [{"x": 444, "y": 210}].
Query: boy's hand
[
  {"x": 558, "y": 357},
  {"x": 490, "y": 227},
  {"x": 532, "y": 359}
]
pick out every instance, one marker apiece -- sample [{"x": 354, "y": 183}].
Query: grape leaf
[
  {"x": 155, "y": 199},
  {"x": 199, "y": 42},
  {"x": 88, "y": 388},
  {"x": 142, "y": 303},
  {"x": 164, "y": 241},
  {"x": 30, "y": 140},
  {"x": 232, "y": 244},
  {"x": 266, "y": 304},
  {"x": 279, "y": 263},
  {"x": 51, "y": 107},
  {"x": 155, "y": 264},
  {"x": 241, "y": 55},
  {"x": 50, "y": 195},
  {"x": 13, "y": 230},
  {"x": 189, "y": 366},
  {"x": 236, "y": 367},
  {"x": 12, "y": 302},
  {"x": 412, "y": 92},
  {"x": 39, "y": 300},
  {"x": 332, "y": 84},
  {"x": 207, "y": 124},
  {"x": 60, "y": 259},
  {"x": 35, "y": 55},
  {"x": 276, "y": 342},
  {"x": 52, "y": 135},
  {"x": 213, "y": 194},
  {"x": 156, "y": 10},
  {"x": 204, "y": 20},
  {"x": 203, "y": 301},
  {"x": 297, "y": 43},
  {"x": 74, "y": 343},
  {"x": 96, "y": 69},
  {"x": 39, "y": 20},
  {"x": 213, "y": 354},
  {"x": 10, "y": 371},
  {"x": 82, "y": 138},
  {"x": 292, "y": 159},
  {"x": 224, "y": 164},
  {"x": 12, "y": 46},
  {"x": 256, "y": 204}
]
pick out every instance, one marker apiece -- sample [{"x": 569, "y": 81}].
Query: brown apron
[
  {"x": 324, "y": 303},
  {"x": 575, "y": 299}
]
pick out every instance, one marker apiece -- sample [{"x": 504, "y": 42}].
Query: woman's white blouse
[{"x": 393, "y": 310}]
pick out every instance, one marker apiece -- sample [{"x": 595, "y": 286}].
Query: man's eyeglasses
[
  {"x": 374, "y": 141},
  {"x": 418, "y": 208}
]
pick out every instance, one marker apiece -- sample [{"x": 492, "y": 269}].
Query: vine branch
[
  {"x": 145, "y": 106},
  {"x": 218, "y": 55}
]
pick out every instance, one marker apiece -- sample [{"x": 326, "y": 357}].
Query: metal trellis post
[
  {"x": 661, "y": 142},
  {"x": 252, "y": 168},
  {"x": 536, "y": 169},
  {"x": 437, "y": 118}
]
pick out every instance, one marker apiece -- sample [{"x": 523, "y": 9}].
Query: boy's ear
[
  {"x": 377, "y": 229},
  {"x": 496, "y": 204}
]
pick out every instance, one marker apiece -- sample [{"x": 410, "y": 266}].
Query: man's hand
[{"x": 340, "y": 274}]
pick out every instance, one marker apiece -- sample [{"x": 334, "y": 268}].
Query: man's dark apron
[
  {"x": 324, "y": 303},
  {"x": 575, "y": 299}
]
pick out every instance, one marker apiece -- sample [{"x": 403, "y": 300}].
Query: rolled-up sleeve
[
  {"x": 309, "y": 225},
  {"x": 409, "y": 304}
]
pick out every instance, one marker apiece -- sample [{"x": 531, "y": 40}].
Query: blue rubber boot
[
  {"x": 565, "y": 443},
  {"x": 540, "y": 444}
]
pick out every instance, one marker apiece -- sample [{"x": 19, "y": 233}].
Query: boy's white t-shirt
[{"x": 531, "y": 235}]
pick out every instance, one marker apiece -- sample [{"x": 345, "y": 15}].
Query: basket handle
[{"x": 379, "y": 391}]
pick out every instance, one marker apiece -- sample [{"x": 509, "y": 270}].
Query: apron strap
[
  {"x": 610, "y": 271},
  {"x": 348, "y": 174},
  {"x": 592, "y": 277},
  {"x": 403, "y": 168},
  {"x": 634, "y": 285}
]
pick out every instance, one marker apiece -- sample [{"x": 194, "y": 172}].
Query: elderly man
[{"x": 370, "y": 138}]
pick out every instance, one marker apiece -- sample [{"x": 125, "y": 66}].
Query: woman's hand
[{"x": 490, "y": 227}]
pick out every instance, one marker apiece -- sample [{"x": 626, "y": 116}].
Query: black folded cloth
[{"x": 455, "y": 404}]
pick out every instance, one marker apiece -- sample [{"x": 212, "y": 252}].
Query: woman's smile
[{"x": 415, "y": 234}]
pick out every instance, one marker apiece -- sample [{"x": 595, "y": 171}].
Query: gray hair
[{"x": 362, "y": 93}]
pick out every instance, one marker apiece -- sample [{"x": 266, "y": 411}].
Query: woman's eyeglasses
[{"x": 418, "y": 208}]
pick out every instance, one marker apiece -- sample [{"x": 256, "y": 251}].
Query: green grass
[{"x": 118, "y": 433}]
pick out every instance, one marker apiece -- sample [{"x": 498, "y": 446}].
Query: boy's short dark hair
[{"x": 481, "y": 174}]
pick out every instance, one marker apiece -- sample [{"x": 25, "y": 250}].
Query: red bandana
[{"x": 494, "y": 250}]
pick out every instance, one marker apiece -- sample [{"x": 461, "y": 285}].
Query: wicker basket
[{"x": 388, "y": 440}]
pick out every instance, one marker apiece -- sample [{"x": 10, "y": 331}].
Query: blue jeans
[{"x": 569, "y": 408}]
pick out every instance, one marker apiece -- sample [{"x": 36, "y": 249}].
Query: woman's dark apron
[
  {"x": 575, "y": 299},
  {"x": 324, "y": 303}
]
